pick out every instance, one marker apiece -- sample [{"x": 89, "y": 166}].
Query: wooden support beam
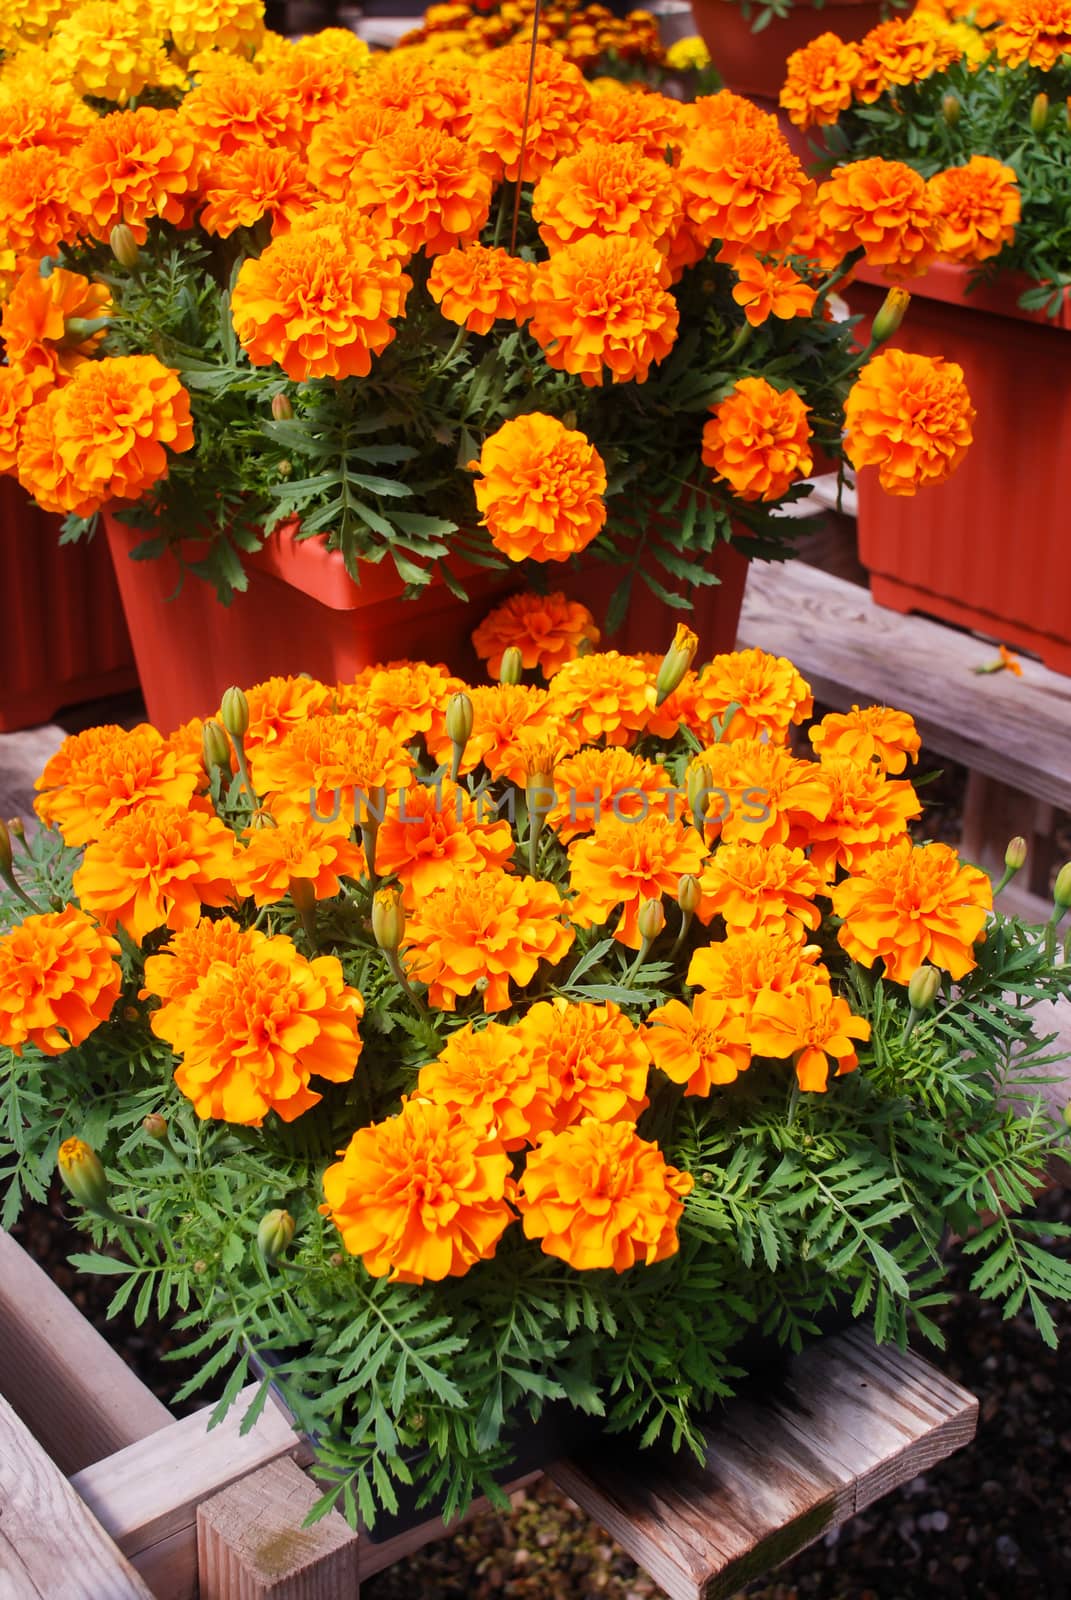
[
  {"x": 846, "y": 1423},
  {"x": 51, "y": 1547},
  {"x": 76, "y": 1396},
  {"x": 993, "y": 813}
]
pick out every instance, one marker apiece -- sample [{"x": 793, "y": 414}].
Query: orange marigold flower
[
  {"x": 43, "y": 116},
  {"x": 174, "y": 972},
  {"x": 884, "y": 208},
  {"x": 477, "y": 286},
  {"x": 319, "y": 303},
  {"x": 279, "y": 705},
  {"x": 812, "y": 1024},
  {"x": 594, "y": 784},
  {"x": 743, "y": 185},
  {"x": 762, "y": 886},
  {"x": 868, "y": 734},
  {"x": 768, "y": 694},
  {"x": 547, "y": 629},
  {"x": 606, "y": 190},
  {"x": 977, "y": 209},
  {"x": 316, "y": 85},
  {"x": 900, "y": 51},
  {"x": 743, "y": 966},
  {"x": 100, "y": 776},
  {"x": 479, "y": 932},
  {"x": 155, "y": 868},
  {"x": 407, "y": 697},
  {"x": 339, "y": 143},
  {"x": 653, "y": 123},
  {"x": 424, "y": 187},
  {"x": 134, "y": 166},
  {"x": 909, "y": 904},
  {"x": 253, "y": 182},
  {"x": 910, "y": 416},
  {"x": 314, "y": 853},
  {"x": 624, "y": 863},
  {"x": 237, "y": 107},
  {"x": 771, "y": 289},
  {"x": 819, "y": 80},
  {"x": 251, "y": 1035},
  {"x": 701, "y": 1045},
  {"x": 434, "y": 833},
  {"x": 435, "y": 96},
  {"x": 724, "y": 110},
  {"x": 604, "y": 303},
  {"x": 422, "y": 1195},
  {"x": 33, "y": 325},
  {"x": 597, "y": 1195},
  {"x": 540, "y": 489},
  {"x": 18, "y": 392},
  {"x": 487, "y": 1073},
  {"x": 506, "y": 719},
  {"x": 758, "y": 440},
  {"x": 607, "y": 696},
  {"x": 329, "y": 763},
  {"x": 37, "y": 201},
  {"x": 867, "y": 811},
  {"x": 59, "y": 978},
  {"x": 762, "y": 794},
  {"x": 556, "y": 111},
  {"x": 1035, "y": 31},
  {"x": 595, "y": 1058}
]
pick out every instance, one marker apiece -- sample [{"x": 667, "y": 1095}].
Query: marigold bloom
[
  {"x": 763, "y": 795},
  {"x": 595, "y": 1059},
  {"x": 239, "y": 189},
  {"x": 604, "y": 303},
  {"x": 624, "y": 863},
  {"x": 316, "y": 84},
  {"x": 900, "y": 51},
  {"x": 868, "y": 734},
  {"x": 758, "y": 440},
  {"x": 547, "y": 629},
  {"x": 701, "y": 1045},
  {"x": 329, "y": 763},
  {"x": 607, "y": 696},
  {"x": 818, "y": 81},
  {"x": 767, "y": 691},
  {"x": 606, "y": 190},
  {"x": 812, "y": 1024},
  {"x": 743, "y": 966},
  {"x": 487, "y": 1073},
  {"x": 36, "y": 201},
  {"x": 909, "y": 904},
  {"x": 338, "y": 143},
  {"x": 743, "y": 185},
  {"x": 977, "y": 208},
  {"x": 59, "y": 978},
  {"x": 477, "y": 286},
  {"x": 107, "y": 52},
  {"x": 769, "y": 289},
  {"x": 407, "y": 697},
  {"x": 653, "y": 123},
  {"x": 18, "y": 392},
  {"x": 506, "y": 717},
  {"x": 100, "y": 776},
  {"x": 280, "y": 704},
  {"x": 320, "y": 304},
  {"x": 237, "y": 107},
  {"x": 540, "y": 489},
  {"x": 436, "y": 96},
  {"x": 424, "y": 187},
  {"x": 155, "y": 868},
  {"x": 558, "y": 107},
  {"x": 1035, "y": 31},
  {"x": 910, "y": 416},
  {"x": 174, "y": 972},
  {"x": 234, "y": 26},
  {"x": 315, "y": 853},
  {"x": 762, "y": 886},
  {"x": 884, "y": 208},
  {"x": 725, "y": 110},
  {"x": 432, "y": 834},
  {"x": 422, "y": 1195},
  {"x": 479, "y": 932},
  {"x": 43, "y": 116},
  {"x": 33, "y": 324},
  {"x": 595, "y": 784},
  {"x": 598, "y": 1195},
  {"x": 134, "y": 166},
  {"x": 867, "y": 811}
]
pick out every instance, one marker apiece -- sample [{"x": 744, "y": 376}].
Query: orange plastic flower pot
[
  {"x": 303, "y": 613},
  {"x": 987, "y": 549},
  {"x": 64, "y": 640},
  {"x": 754, "y": 63}
]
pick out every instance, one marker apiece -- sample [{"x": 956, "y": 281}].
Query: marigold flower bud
[
  {"x": 689, "y": 894},
  {"x": 951, "y": 109},
  {"x": 124, "y": 246},
  {"x": 1067, "y": 1113},
  {"x": 1061, "y": 889},
  {"x": 155, "y": 1126},
  {"x": 303, "y": 894},
  {"x": 1015, "y": 854},
  {"x": 459, "y": 717},
  {"x": 215, "y": 747},
  {"x": 76, "y": 330},
  {"x": 7, "y": 860},
  {"x": 275, "y": 1234},
  {"x": 698, "y": 784},
  {"x": 651, "y": 920},
  {"x": 281, "y": 408},
  {"x": 675, "y": 663},
  {"x": 285, "y": 469},
  {"x": 81, "y": 1170},
  {"x": 388, "y": 919},
  {"x": 16, "y": 827},
  {"x": 262, "y": 819},
  {"x": 923, "y": 989},
  {"x": 1039, "y": 114},
  {"x": 890, "y": 314},
  {"x": 234, "y": 713},
  {"x": 512, "y": 665}
]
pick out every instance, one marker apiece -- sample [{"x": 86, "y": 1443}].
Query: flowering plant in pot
[
  {"x": 469, "y": 1050},
  {"x": 599, "y": 42}
]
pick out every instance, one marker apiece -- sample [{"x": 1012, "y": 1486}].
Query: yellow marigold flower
[
  {"x": 604, "y": 303},
  {"x": 625, "y": 862},
  {"x": 18, "y": 393},
  {"x": 237, "y": 107},
  {"x": 900, "y": 51},
  {"x": 743, "y": 966},
  {"x": 596, "y": 784},
  {"x": 250, "y": 1036},
  {"x": 598, "y": 1195},
  {"x": 771, "y": 289},
  {"x": 59, "y": 978},
  {"x": 237, "y": 190},
  {"x": 338, "y": 143},
  {"x": 134, "y": 166},
  {"x": 758, "y": 440},
  {"x": 540, "y": 489},
  {"x": 700, "y": 1046},
  {"x": 595, "y": 1058},
  {"x": 868, "y": 734},
  {"x": 548, "y": 630},
  {"x": 867, "y": 812},
  {"x": 407, "y": 697},
  {"x": 813, "y": 1025},
  {"x": 606, "y": 191},
  {"x": 909, "y": 904},
  {"x": 653, "y": 123},
  {"x": 559, "y": 105},
  {"x": 52, "y": 117},
  {"x": 606, "y": 696},
  {"x": 479, "y": 932},
  {"x": 884, "y": 207},
  {"x": 432, "y": 834},
  {"x": 420, "y": 1196},
  {"x": 762, "y": 886},
  {"x": 1035, "y": 31},
  {"x": 767, "y": 691},
  {"x": 174, "y": 972},
  {"x": 316, "y": 853},
  {"x": 234, "y": 26},
  {"x": 100, "y": 776},
  {"x": 977, "y": 209},
  {"x": 33, "y": 324},
  {"x": 155, "y": 868},
  {"x": 36, "y": 201},
  {"x": 743, "y": 186},
  {"x": 488, "y": 1074},
  {"x": 819, "y": 80},
  {"x": 424, "y": 187},
  {"x": 279, "y": 705},
  {"x": 688, "y": 55},
  {"x": 477, "y": 286},
  {"x": 29, "y": 20},
  {"x": 332, "y": 45},
  {"x": 910, "y": 416},
  {"x": 110, "y": 51},
  {"x": 320, "y": 304},
  {"x": 330, "y": 763}
]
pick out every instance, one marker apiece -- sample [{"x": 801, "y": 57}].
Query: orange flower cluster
[
  {"x": 758, "y": 440},
  {"x": 604, "y": 303},
  {"x": 977, "y": 208},
  {"x": 909, "y": 416},
  {"x": 1034, "y": 31},
  {"x": 540, "y": 489},
  {"x": 884, "y": 208},
  {"x": 819, "y": 81},
  {"x": 548, "y": 630},
  {"x": 477, "y": 286},
  {"x": 59, "y": 978}
]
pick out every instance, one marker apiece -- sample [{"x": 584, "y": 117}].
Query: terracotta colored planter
[
  {"x": 754, "y": 63},
  {"x": 64, "y": 640},
  {"x": 989, "y": 548},
  {"x": 302, "y": 613}
]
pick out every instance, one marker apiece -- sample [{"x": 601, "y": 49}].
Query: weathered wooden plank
[
  {"x": 69, "y": 1387},
  {"x": 251, "y": 1545},
  {"x": 844, "y": 1423},
  {"x": 853, "y": 652},
  {"x": 51, "y": 1547}
]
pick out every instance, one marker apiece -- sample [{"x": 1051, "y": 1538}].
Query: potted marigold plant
[
  {"x": 963, "y": 128},
  {"x": 463, "y": 1052},
  {"x": 411, "y": 326}
]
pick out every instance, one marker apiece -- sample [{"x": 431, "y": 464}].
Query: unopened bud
[
  {"x": 262, "y": 819},
  {"x": 81, "y": 1170},
  {"x": 1067, "y": 1113},
  {"x": 76, "y": 330},
  {"x": 234, "y": 713},
  {"x": 215, "y": 747},
  {"x": 303, "y": 894},
  {"x": 155, "y": 1126},
  {"x": 281, "y": 409},
  {"x": 200, "y": 1268},
  {"x": 285, "y": 469},
  {"x": 1061, "y": 889},
  {"x": 651, "y": 921},
  {"x": 275, "y": 1234},
  {"x": 951, "y": 109},
  {"x": 7, "y": 860},
  {"x": 16, "y": 827},
  {"x": 388, "y": 919},
  {"x": 512, "y": 665},
  {"x": 675, "y": 663},
  {"x": 890, "y": 314},
  {"x": 923, "y": 989},
  {"x": 699, "y": 784},
  {"x": 459, "y": 719},
  {"x": 1039, "y": 114},
  {"x": 1015, "y": 854},
  {"x": 689, "y": 894},
  {"x": 336, "y": 1259},
  {"x": 124, "y": 246}
]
